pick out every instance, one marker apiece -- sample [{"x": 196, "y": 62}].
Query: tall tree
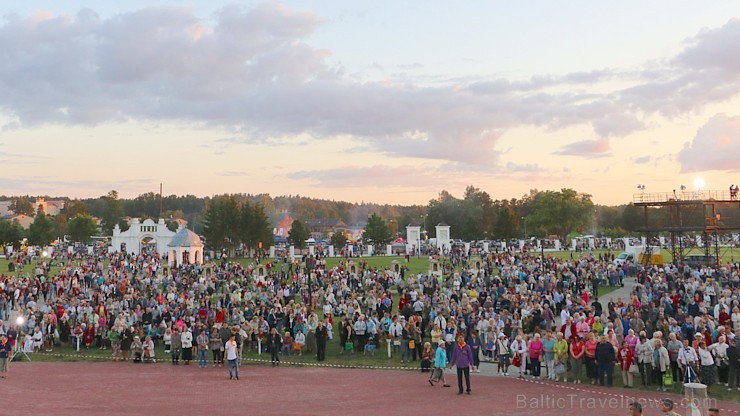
[
  {"x": 260, "y": 233},
  {"x": 75, "y": 207},
  {"x": 41, "y": 231},
  {"x": 298, "y": 234},
  {"x": 377, "y": 231},
  {"x": 82, "y": 227},
  {"x": 470, "y": 218},
  {"x": 222, "y": 222},
  {"x": 112, "y": 212},
  {"x": 484, "y": 210},
  {"x": 246, "y": 215},
  {"x": 560, "y": 212},
  {"x": 632, "y": 218},
  {"x": 213, "y": 226},
  {"x": 11, "y": 232},
  {"x": 338, "y": 240},
  {"x": 22, "y": 205},
  {"x": 507, "y": 221},
  {"x": 255, "y": 230}
]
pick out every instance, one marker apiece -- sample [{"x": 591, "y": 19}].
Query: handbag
[
  {"x": 667, "y": 379},
  {"x": 349, "y": 346},
  {"x": 437, "y": 374},
  {"x": 517, "y": 360},
  {"x": 412, "y": 344},
  {"x": 633, "y": 369}
]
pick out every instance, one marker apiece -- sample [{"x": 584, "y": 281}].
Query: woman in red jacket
[{"x": 625, "y": 356}]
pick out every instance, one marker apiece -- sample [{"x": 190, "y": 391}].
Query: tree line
[{"x": 244, "y": 218}]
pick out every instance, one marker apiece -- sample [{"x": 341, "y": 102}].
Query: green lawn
[
  {"x": 27, "y": 269},
  {"x": 415, "y": 265},
  {"x": 421, "y": 265}
]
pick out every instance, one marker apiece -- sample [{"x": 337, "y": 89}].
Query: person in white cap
[
  {"x": 440, "y": 363},
  {"x": 519, "y": 346}
]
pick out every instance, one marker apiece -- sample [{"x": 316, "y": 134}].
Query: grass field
[{"x": 418, "y": 265}]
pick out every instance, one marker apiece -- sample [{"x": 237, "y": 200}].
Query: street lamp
[{"x": 524, "y": 220}]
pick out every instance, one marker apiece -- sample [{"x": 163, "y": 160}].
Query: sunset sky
[{"x": 381, "y": 101}]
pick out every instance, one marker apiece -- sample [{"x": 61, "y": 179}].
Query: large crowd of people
[{"x": 533, "y": 316}]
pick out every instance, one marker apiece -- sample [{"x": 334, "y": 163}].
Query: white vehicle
[{"x": 623, "y": 258}]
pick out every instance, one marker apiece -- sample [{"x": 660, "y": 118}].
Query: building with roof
[
  {"x": 185, "y": 248},
  {"x": 5, "y": 208},
  {"x": 282, "y": 223},
  {"x": 24, "y": 220},
  {"x": 326, "y": 227},
  {"x": 50, "y": 208},
  {"x": 149, "y": 237}
]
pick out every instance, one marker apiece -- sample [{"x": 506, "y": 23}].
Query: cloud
[
  {"x": 17, "y": 158},
  {"x": 415, "y": 65},
  {"x": 232, "y": 173},
  {"x": 715, "y": 146},
  {"x": 642, "y": 160},
  {"x": 253, "y": 73},
  {"x": 526, "y": 167},
  {"x": 586, "y": 148},
  {"x": 379, "y": 176},
  {"x": 703, "y": 73},
  {"x": 36, "y": 184}
]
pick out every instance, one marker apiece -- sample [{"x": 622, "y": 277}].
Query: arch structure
[{"x": 130, "y": 240}]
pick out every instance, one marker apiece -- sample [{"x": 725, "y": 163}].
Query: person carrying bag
[{"x": 440, "y": 363}]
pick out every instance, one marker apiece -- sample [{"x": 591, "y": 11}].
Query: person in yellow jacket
[{"x": 561, "y": 357}]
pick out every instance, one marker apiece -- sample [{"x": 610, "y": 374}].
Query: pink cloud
[
  {"x": 586, "y": 148},
  {"x": 716, "y": 146}
]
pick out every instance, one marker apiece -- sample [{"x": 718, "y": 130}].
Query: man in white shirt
[
  {"x": 395, "y": 332},
  {"x": 687, "y": 360},
  {"x": 232, "y": 355},
  {"x": 187, "y": 345},
  {"x": 440, "y": 320},
  {"x": 361, "y": 332},
  {"x": 564, "y": 315}
]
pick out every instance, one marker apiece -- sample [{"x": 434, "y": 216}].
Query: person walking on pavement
[
  {"x": 231, "y": 351},
  {"x": 440, "y": 363},
  {"x": 462, "y": 358}
]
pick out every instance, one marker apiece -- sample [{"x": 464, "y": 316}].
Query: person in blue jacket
[{"x": 440, "y": 363}]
